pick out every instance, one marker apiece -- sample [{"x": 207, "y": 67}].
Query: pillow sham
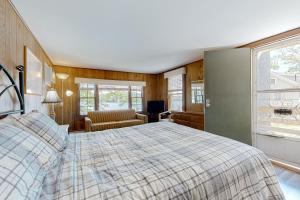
[
  {"x": 45, "y": 127},
  {"x": 43, "y": 152},
  {"x": 22, "y": 164}
]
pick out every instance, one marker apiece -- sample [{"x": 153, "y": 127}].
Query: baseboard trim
[{"x": 286, "y": 166}]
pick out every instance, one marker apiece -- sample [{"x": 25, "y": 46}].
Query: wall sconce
[{"x": 69, "y": 93}]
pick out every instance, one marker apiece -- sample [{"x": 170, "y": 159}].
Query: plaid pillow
[
  {"x": 45, "y": 154},
  {"x": 21, "y": 171},
  {"x": 45, "y": 127}
]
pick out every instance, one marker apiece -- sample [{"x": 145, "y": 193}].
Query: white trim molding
[
  {"x": 175, "y": 72},
  {"x": 79, "y": 80}
]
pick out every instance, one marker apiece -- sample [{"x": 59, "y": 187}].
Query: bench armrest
[
  {"x": 87, "y": 124},
  {"x": 166, "y": 114},
  {"x": 142, "y": 117}
]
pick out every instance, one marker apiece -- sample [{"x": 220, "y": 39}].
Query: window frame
[
  {"x": 182, "y": 91},
  {"x": 97, "y": 98},
  {"x": 255, "y": 90},
  {"x": 141, "y": 97},
  {"x": 79, "y": 97}
]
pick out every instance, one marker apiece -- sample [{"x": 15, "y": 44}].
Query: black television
[{"x": 155, "y": 106}]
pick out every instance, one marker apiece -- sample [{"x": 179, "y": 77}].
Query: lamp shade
[
  {"x": 62, "y": 76},
  {"x": 52, "y": 97}
]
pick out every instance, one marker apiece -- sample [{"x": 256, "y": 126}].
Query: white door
[{"x": 276, "y": 100}]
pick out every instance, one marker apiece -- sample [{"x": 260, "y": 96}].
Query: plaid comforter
[{"x": 160, "y": 161}]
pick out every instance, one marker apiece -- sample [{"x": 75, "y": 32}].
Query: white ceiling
[{"x": 150, "y": 35}]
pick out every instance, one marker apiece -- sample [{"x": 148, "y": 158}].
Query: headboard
[{"x": 19, "y": 91}]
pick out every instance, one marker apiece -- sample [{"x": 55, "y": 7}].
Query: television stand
[{"x": 153, "y": 117}]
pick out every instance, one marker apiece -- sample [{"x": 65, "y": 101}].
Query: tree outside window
[{"x": 110, "y": 97}]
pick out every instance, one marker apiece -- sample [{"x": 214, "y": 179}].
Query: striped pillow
[
  {"x": 23, "y": 163},
  {"x": 45, "y": 127}
]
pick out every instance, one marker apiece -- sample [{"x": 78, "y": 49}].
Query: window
[
  {"x": 110, "y": 97},
  {"x": 175, "y": 98},
  {"x": 277, "y": 68},
  {"x": 273, "y": 81},
  {"x": 137, "y": 98},
  {"x": 197, "y": 92},
  {"x": 87, "y": 98}
]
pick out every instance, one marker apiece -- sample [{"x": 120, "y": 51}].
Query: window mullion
[
  {"x": 143, "y": 99},
  {"x": 96, "y": 97},
  {"x": 129, "y": 98}
]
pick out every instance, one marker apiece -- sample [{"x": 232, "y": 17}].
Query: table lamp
[{"x": 52, "y": 98}]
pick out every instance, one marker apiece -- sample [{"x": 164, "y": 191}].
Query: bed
[
  {"x": 163, "y": 160},
  {"x": 160, "y": 161}
]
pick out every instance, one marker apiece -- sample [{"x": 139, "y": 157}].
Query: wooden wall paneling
[
  {"x": 76, "y": 120},
  {"x": 9, "y": 50},
  {"x": 20, "y": 41},
  {"x": 10, "y": 35},
  {"x": 194, "y": 72},
  {"x": 14, "y": 35},
  {"x": 161, "y": 88},
  {"x": 2, "y": 30}
]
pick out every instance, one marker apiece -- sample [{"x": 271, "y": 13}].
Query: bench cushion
[
  {"x": 115, "y": 124},
  {"x": 109, "y": 116}
]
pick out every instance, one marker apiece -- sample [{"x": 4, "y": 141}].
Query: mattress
[{"x": 160, "y": 160}]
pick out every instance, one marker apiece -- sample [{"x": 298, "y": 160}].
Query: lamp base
[{"x": 52, "y": 112}]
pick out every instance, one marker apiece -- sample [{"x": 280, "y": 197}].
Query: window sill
[{"x": 280, "y": 135}]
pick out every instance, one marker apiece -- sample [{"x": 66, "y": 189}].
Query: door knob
[{"x": 207, "y": 103}]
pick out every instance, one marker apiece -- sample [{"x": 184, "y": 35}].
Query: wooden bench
[{"x": 191, "y": 119}]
